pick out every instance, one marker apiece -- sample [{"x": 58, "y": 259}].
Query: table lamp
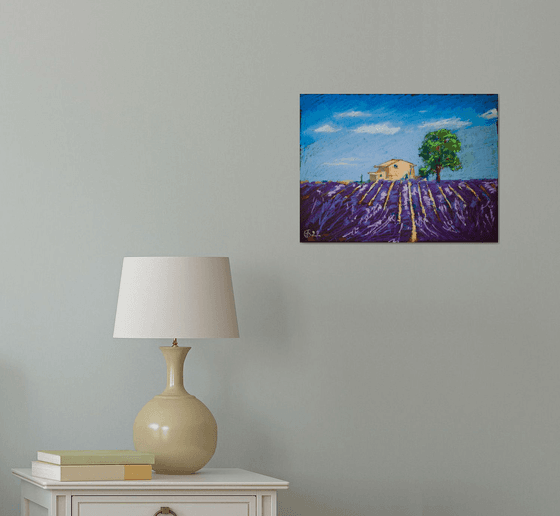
[{"x": 176, "y": 298}]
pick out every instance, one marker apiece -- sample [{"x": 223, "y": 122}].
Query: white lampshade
[{"x": 178, "y": 297}]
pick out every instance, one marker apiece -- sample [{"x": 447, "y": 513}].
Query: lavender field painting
[{"x": 399, "y": 168}]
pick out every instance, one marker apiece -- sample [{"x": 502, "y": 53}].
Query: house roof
[{"x": 391, "y": 162}]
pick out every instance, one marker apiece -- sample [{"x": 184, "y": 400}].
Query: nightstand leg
[{"x": 267, "y": 504}]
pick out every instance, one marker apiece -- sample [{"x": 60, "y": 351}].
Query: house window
[{"x": 395, "y": 165}]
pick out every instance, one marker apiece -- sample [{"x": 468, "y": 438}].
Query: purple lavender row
[
  {"x": 321, "y": 207},
  {"x": 361, "y": 222},
  {"x": 457, "y": 213},
  {"x": 343, "y": 218},
  {"x": 448, "y": 212},
  {"x": 443, "y": 214}
]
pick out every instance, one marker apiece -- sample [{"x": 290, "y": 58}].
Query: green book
[{"x": 68, "y": 457}]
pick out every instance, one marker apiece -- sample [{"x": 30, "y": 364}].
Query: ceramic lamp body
[{"x": 175, "y": 426}]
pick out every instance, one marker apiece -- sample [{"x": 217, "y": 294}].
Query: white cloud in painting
[
  {"x": 423, "y": 111},
  {"x": 493, "y": 113},
  {"x": 377, "y": 129},
  {"x": 326, "y": 129},
  {"x": 352, "y": 114},
  {"x": 342, "y": 162},
  {"x": 448, "y": 123}
]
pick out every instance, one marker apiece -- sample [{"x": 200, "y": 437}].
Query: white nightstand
[{"x": 209, "y": 492}]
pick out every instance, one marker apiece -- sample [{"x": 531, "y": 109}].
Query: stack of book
[{"x": 89, "y": 465}]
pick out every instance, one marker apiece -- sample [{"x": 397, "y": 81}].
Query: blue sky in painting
[{"x": 345, "y": 136}]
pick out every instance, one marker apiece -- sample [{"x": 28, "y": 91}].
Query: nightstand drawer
[{"x": 141, "y": 505}]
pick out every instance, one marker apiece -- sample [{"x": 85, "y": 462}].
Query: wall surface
[{"x": 385, "y": 380}]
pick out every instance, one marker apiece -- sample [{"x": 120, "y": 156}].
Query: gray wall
[{"x": 386, "y": 380}]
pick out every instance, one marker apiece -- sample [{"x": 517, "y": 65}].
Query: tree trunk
[{"x": 438, "y": 170}]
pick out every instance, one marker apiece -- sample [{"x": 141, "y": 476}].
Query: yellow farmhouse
[{"x": 392, "y": 170}]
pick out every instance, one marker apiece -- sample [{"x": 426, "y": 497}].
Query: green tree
[{"x": 439, "y": 150}]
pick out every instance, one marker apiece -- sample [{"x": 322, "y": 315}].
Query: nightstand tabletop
[{"x": 207, "y": 478}]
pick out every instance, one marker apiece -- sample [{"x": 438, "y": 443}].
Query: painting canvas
[{"x": 399, "y": 168}]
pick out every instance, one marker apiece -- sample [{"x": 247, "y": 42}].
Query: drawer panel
[{"x": 141, "y": 505}]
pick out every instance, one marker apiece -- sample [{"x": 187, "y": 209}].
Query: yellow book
[
  {"x": 91, "y": 472},
  {"x": 73, "y": 457}
]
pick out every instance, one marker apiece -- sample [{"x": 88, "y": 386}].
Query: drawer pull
[{"x": 165, "y": 510}]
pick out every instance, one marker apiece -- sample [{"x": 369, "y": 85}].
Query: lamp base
[{"x": 175, "y": 426}]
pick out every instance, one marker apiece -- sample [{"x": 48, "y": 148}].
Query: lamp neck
[{"x": 175, "y": 359}]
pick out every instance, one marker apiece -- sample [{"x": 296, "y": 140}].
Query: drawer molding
[{"x": 183, "y": 505}]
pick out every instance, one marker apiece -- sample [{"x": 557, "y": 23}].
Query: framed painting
[{"x": 399, "y": 168}]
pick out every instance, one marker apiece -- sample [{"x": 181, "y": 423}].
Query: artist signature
[{"x": 310, "y": 233}]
